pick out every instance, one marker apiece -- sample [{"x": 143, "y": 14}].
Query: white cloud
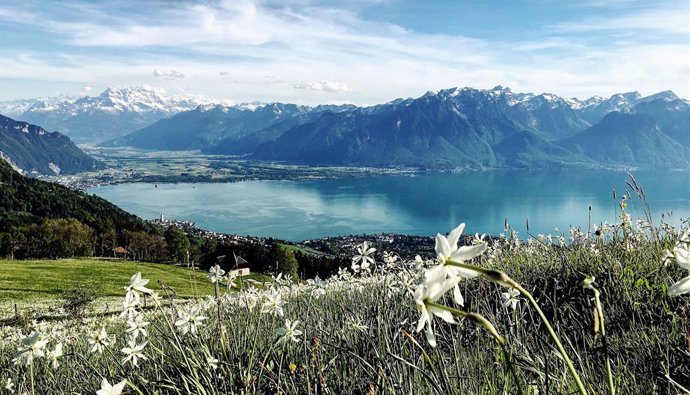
[
  {"x": 172, "y": 74},
  {"x": 326, "y": 86},
  {"x": 673, "y": 19},
  {"x": 234, "y": 46}
]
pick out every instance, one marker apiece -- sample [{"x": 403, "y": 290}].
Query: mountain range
[
  {"x": 458, "y": 127},
  {"x": 32, "y": 149},
  {"x": 93, "y": 119},
  {"x": 446, "y": 129}
]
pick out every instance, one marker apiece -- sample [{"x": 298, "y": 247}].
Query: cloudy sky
[{"x": 358, "y": 51}]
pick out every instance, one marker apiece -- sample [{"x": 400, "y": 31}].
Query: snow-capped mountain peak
[{"x": 115, "y": 111}]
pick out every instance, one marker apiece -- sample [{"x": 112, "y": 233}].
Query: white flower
[
  {"x": 666, "y": 257},
  {"x": 137, "y": 326},
  {"x": 129, "y": 305},
  {"x": 510, "y": 298},
  {"x": 211, "y": 362},
  {"x": 155, "y": 297},
  {"x": 363, "y": 260},
  {"x": 683, "y": 259},
  {"x": 215, "y": 273},
  {"x": 356, "y": 324},
  {"x": 9, "y": 385},
  {"x": 100, "y": 341},
  {"x": 189, "y": 320},
  {"x": 390, "y": 258},
  {"x": 230, "y": 280},
  {"x": 107, "y": 389},
  {"x": 32, "y": 346},
  {"x": 317, "y": 287},
  {"x": 289, "y": 332},
  {"x": 447, "y": 251},
  {"x": 134, "y": 352},
  {"x": 425, "y": 294},
  {"x": 274, "y": 304},
  {"x": 54, "y": 355},
  {"x": 137, "y": 284}
]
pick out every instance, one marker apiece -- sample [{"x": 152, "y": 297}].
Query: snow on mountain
[
  {"x": 113, "y": 113},
  {"x": 14, "y": 108},
  {"x": 138, "y": 100}
]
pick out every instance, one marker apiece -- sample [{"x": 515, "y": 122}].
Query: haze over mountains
[{"x": 451, "y": 128}]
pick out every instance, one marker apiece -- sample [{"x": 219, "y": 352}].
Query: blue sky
[{"x": 358, "y": 51}]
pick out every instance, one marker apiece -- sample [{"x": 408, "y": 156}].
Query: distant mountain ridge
[
  {"x": 31, "y": 148},
  {"x": 92, "y": 119},
  {"x": 209, "y": 125},
  {"x": 457, "y": 127}
]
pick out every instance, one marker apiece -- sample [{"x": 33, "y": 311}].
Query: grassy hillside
[{"x": 39, "y": 279}]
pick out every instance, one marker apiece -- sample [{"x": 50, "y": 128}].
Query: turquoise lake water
[{"x": 420, "y": 205}]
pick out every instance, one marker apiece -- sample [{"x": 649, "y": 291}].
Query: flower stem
[
  {"x": 31, "y": 367},
  {"x": 552, "y": 333},
  {"x": 511, "y": 368},
  {"x": 600, "y": 313},
  {"x": 501, "y": 278},
  {"x": 477, "y": 318}
]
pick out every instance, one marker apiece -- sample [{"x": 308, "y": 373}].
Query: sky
[{"x": 354, "y": 51}]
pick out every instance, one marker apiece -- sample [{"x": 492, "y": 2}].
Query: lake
[{"x": 419, "y": 205}]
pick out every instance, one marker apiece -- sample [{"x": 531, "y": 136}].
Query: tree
[
  {"x": 63, "y": 238},
  {"x": 145, "y": 246},
  {"x": 178, "y": 243},
  {"x": 284, "y": 260}
]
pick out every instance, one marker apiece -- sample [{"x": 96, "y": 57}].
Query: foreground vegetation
[{"x": 357, "y": 332}]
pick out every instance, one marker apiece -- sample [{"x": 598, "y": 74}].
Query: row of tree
[{"x": 68, "y": 237}]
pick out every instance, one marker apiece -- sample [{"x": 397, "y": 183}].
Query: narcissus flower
[
  {"x": 510, "y": 298},
  {"x": 136, "y": 285},
  {"x": 215, "y": 274},
  {"x": 189, "y": 320},
  {"x": 32, "y": 346},
  {"x": 107, "y": 389},
  {"x": 274, "y": 304},
  {"x": 133, "y": 352},
  {"x": 100, "y": 341},
  {"x": 448, "y": 253},
  {"x": 54, "y": 355},
  {"x": 363, "y": 260},
  {"x": 430, "y": 293},
  {"x": 683, "y": 259},
  {"x": 289, "y": 332},
  {"x": 137, "y": 326}
]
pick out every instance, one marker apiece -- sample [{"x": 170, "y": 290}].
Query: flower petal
[
  {"x": 682, "y": 257},
  {"x": 442, "y": 247},
  {"x": 681, "y": 287},
  {"x": 467, "y": 253},
  {"x": 430, "y": 337},
  {"x": 457, "y": 295},
  {"x": 445, "y": 315},
  {"x": 454, "y": 235}
]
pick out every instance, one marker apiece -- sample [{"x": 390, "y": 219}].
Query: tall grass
[{"x": 646, "y": 332}]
